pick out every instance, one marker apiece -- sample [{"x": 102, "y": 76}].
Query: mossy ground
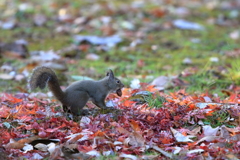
[{"x": 167, "y": 59}]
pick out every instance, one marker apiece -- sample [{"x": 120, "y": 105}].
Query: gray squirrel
[{"x": 77, "y": 94}]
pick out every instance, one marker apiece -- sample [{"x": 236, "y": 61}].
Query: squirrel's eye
[{"x": 118, "y": 81}]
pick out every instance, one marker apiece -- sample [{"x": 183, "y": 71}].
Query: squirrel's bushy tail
[{"x": 42, "y": 76}]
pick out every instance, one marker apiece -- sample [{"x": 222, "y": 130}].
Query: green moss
[{"x": 218, "y": 118}]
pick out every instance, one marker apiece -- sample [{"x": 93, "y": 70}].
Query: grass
[
  {"x": 234, "y": 72},
  {"x": 154, "y": 101},
  {"x": 173, "y": 45}
]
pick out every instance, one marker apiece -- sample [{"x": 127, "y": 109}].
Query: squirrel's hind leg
[
  {"x": 78, "y": 100},
  {"x": 66, "y": 109}
]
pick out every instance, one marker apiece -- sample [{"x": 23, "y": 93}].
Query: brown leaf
[
  {"x": 14, "y": 50},
  {"x": 4, "y": 111},
  {"x": 195, "y": 131},
  {"x": 234, "y": 54},
  {"x": 20, "y": 144},
  {"x": 70, "y": 151},
  {"x": 232, "y": 157},
  {"x": 134, "y": 125},
  {"x": 123, "y": 131},
  {"x": 158, "y": 12},
  {"x": 135, "y": 140},
  {"x": 74, "y": 138}
]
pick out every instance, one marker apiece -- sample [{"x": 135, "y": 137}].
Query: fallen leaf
[
  {"x": 162, "y": 82},
  {"x": 92, "y": 56},
  {"x": 135, "y": 84},
  {"x": 128, "y": 156},
  {"x": 195, "y": 151},
  {"x": 51, "y": 130},
  {"x": 55, "y": 151},
  {"x": 136, "y": 140},
  {"x": 209, "y": 131},
  {"x": 14, "y": 50},
  {"x": 5, "y": 76},
  {"x": 39, "y": 19},
  {"x": 166, "y": 154},
  {"x": 207, "y": 139},
  {"x": 95, "y": 40},
  {"x": 45, "y": 56},
  {"x": 41, "y": 147},
  {"x": 180, "y": 137},
  {"x": 134, "y": 125},
  {"x": 9, "y": 24},
  {"x": 195, "y": 131},
  {"x": 94, "y": 153},
  {"x": 183, "y": 24},
  {"x": 21, "y": 143}
]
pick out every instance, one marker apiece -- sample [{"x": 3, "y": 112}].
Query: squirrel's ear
[{"x": 110, "y": 74}]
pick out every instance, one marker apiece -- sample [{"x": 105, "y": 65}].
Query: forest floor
[{"x": 179, "y": 62}]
